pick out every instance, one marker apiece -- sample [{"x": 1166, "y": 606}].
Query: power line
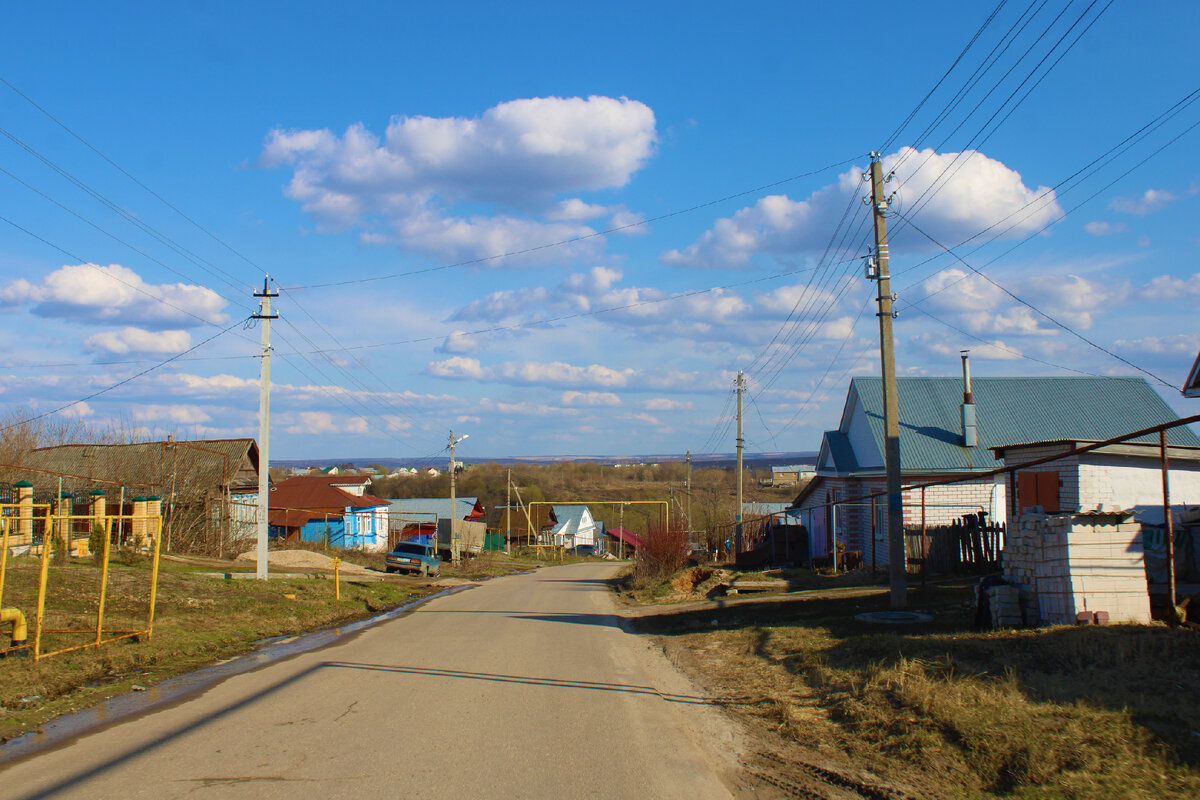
[
  {"x": 131, "y": 378},
  {"x": 584, "y": 237},
  {"x": 131, "y": 177},
  {"x": 1037, "y": 310}
]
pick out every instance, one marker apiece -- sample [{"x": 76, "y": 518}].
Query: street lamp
[{"x": 455, "y": 555}]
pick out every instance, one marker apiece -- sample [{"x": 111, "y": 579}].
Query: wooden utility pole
[
  {"x": 264, "y": 316},
  {"x": 737, "y": 539},
  {"x": 878, "y": 270},
  {"x": 688, "y": 484}
]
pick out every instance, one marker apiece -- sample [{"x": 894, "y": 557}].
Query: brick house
[{"x": 934, "y": 425}]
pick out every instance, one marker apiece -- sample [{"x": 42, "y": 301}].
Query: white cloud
[
  {"x": 1179, "y": 344},
  {"x": 1168, "y": 287},
  {"x": 178, "y": 414},
  {"x": 1098, "y": 228},
  {"x": 968, "y": 192},
  {"x": 137, "y": 340},
  {"x": 1148, "y": 202},
  {"x": 78, "y": 410},
  {"x": 574, "y": 398},
  {"x": 111, "y": 294},
  {"x": 533, "y": 373},
  {"x": 595, "y": 377},
  {"x": 517, "y": 155},
  {"x": 666, "y": 404},
  {"x": 318, "y": 422}
]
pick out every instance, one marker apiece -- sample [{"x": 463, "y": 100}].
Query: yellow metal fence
[{"x": 71, "y": 582}]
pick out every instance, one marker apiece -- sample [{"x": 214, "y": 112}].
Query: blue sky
[{"x": 331, "y": 144}]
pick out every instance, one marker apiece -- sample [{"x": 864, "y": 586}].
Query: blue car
[{"x": 414, "y": 558}]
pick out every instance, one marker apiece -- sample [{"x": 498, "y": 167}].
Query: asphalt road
[{"x": 524, "y": 686}]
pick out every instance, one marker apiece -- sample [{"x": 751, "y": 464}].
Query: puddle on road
[{"x": 69, "y": 727}]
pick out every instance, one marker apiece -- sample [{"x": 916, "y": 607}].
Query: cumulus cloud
[
  {"x": 518, "y": 155},
  {"x": 1147, "y": 202},
  {"x": 1178, "y": 344},
  {"x": 574, "y": 398},
  {"x": 318, "y": 422},
  {"x": 1169, "y": 287},
  {"x": 666, "y": 404},
  {"x": 595, "y": 377},
  {"x": 982, "y": 307},
  {"x": 532, "y": 373},
  {"x": 138, "y": 340},
  {"x": 718, "y": 314},
  {"x": 1098, "y": 228},
  {"x": 114, "y": 294},
  {"x": 967, "y": 192},
  {"x": 178, "y": 414}
]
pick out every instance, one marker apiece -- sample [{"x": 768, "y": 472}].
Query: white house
[
  {"x": 942, "y": 436},
  {"x": 575, "y": 527}
]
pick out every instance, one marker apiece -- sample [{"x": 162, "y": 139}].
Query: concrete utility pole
[
  {"x": 878, "y": 270},
  {"x": 737, "y": 540},
  {"x": 508, "y": 511},
  {"x": 264, "y": 316},
  {"x": 455, "y": 549}
]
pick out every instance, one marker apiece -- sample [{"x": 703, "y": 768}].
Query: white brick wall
[
  {"x": 1128, "y": 481},
  {"x": 1093, "y": 478},
  {"x": 1079, "y": 563}
]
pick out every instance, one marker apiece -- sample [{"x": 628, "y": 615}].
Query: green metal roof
[{"x": 1012, "y": 411}]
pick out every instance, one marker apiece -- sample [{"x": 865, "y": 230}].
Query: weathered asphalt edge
[{"x": 65, "y": 729}]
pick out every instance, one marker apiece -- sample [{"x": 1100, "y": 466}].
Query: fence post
[
  {"x": 39, "y": 622},
  {"x": 3, "y": 556},
  {"x": 1168, "y": 525},
  {"x": 154, "y": 577},
  {"x": 924, "y": 540},
  {"x": 103, "y": 579}
]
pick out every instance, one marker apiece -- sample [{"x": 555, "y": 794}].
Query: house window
[{"x": 1038, "y": 489}]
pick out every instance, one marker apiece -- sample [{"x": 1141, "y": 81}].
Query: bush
[
  {"x": 96, "y": 543},
  {"x": 663, "y": 553}
]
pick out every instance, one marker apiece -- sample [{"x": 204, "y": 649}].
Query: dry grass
[{"x": 1055, "y": 713}]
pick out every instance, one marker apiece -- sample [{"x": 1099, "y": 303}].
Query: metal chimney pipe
[
  {"x": 966, "y": 365},
  {"x": 969, "y": 430}
]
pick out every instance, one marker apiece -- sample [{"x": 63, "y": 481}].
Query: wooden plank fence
[{"x": 971, "y": 544}]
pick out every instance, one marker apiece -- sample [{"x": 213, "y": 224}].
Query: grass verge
[
  {"x": 198, "y": 620},
  {"x": 1050, "y": 713}
]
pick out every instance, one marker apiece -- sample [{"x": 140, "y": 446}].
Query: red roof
[
  {"x": 296, "y": 500},
  {"x": 629, "y": 537}
]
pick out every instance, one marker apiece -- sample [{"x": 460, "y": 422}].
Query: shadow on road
[
  {"x": 81, "y": 778},
  {"x": 605, "y": 620},
  {"x": 560, "y": 683}
]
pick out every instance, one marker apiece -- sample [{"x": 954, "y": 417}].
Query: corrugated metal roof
[
  {"x": 1011, "y": 411},
  {"x": 427, "y": 506},
  {"x": 185, "y": 466}
]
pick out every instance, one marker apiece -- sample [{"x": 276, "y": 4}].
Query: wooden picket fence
[{"x": 970, "y": 545}]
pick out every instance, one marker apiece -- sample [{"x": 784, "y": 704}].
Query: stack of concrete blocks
[
  {"x": 1005, "y": 604},
  {"x": 1071, "y": 563}
]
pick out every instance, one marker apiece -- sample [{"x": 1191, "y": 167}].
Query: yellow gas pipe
[{"x": 20, "y": 631}]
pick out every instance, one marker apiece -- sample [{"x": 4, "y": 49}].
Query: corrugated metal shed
[{"x": 1010, "y": 411}]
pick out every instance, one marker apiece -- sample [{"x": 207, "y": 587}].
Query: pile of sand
[{"x": 304, "y": 559}]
